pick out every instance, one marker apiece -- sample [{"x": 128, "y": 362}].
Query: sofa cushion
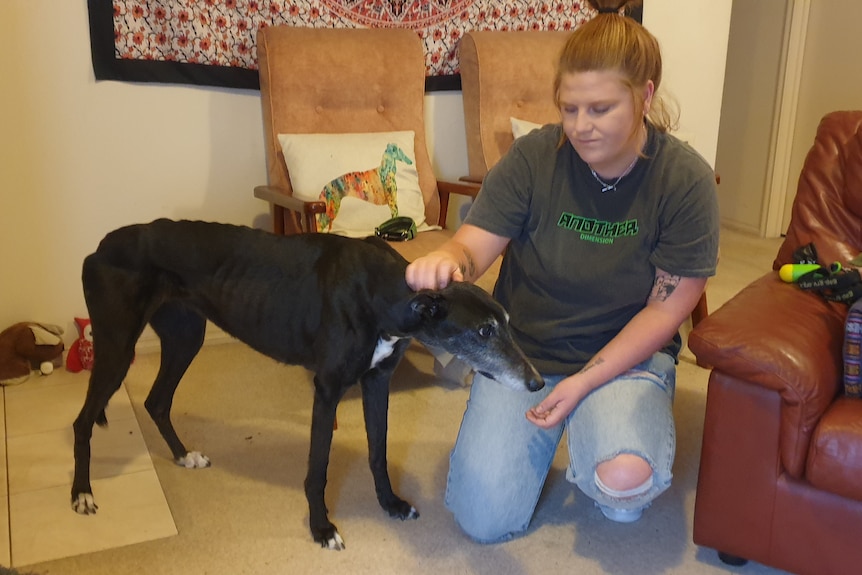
[{"x": 835, "y": 455}]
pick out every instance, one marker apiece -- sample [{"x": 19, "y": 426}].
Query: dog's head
[{"x": 468, "y": 323}]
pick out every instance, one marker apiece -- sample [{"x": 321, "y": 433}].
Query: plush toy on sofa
[
  {"x": 26, "y": 347},
  {"x": 80, "y": 355}
]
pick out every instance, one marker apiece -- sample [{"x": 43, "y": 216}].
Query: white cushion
[
  {"x": 522, "y": 127},
  {"x": 318, "y": 164}
]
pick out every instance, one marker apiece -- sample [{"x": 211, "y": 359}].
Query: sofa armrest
[{"x": 774, "y": 335}]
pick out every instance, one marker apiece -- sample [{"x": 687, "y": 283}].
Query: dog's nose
[{"x": 535, "y": 383}]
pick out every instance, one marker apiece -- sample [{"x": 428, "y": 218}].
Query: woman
[{"x": 610, "y": 230}]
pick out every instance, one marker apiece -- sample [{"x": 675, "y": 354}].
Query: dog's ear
[{"x": 428, "y": 305}]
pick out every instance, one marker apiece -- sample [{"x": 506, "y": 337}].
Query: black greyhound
[{"x": 337, "y": 306}]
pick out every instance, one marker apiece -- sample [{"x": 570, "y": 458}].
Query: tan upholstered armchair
[
  {"x": 505, "y": 75},
  {"x": 316, "y": 81}
]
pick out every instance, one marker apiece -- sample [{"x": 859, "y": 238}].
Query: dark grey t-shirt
[{"x": 581, "y": 263}]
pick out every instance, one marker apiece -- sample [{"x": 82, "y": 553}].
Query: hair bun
[{"x": 608, "y": 7}]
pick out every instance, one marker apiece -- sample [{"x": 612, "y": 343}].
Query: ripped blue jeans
[{"x": 500, "y": 460}]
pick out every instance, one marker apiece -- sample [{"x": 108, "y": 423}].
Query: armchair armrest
[
  {"x": 445, "y": 188},
  {"x": 774, "y": 335},
  {"x": 281, "y": 200}
]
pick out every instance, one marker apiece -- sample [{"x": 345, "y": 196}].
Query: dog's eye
[{"x": 486, "y": 331}]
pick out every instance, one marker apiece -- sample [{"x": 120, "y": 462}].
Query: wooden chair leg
[
  {"x": 700, "y": 311},
  {"x": 278, "y": 220},
  {"x": 698, "y": 314}
]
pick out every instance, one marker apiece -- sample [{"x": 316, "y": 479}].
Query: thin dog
[{"x": 337, "y": 306}]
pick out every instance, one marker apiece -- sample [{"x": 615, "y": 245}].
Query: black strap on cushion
[{"x": 844, "y": 285}]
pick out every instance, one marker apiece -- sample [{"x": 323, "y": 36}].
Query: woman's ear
[{"x": 649, "y": 91}]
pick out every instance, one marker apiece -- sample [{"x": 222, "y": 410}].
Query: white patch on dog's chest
[{"x": 383, "y": 350}]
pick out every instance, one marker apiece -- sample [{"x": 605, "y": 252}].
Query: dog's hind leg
[
  {"x": 375, "y": 406},
  {"x": 109, "y": 369},
  {"x": 326, "y": 400},
  {"x": 115, "y": 332},
  {"x": 181, "y": 331}
]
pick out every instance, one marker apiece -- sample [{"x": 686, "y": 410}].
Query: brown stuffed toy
[{"x": 27, "y": 347}]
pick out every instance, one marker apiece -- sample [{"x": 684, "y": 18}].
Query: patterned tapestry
[{"x": 212, "y": 42}]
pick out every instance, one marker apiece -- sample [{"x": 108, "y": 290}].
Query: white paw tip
[
  {"x": 194, "y": 460},
  {"x": 336, "y": 543},
  {"x": 85, "y": 504}
]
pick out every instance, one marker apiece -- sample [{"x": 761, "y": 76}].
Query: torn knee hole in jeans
[{"x": 628, "y": 493}]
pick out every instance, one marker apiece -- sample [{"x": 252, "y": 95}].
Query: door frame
[{"x": 772, "y": 222}]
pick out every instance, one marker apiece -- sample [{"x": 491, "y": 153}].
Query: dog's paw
[
  {"x": 194, "y": 460},
  {"x": 329, "y": 539},
  {"x": 403, "y": 510},
  {"x": 84, "y": 504}
]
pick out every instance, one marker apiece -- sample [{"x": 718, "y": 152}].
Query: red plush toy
[{"x": 80, "y": 355}]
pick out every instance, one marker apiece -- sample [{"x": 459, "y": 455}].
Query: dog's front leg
[
  {"x": 322, "y": 423},
  {"x": 82, "y": 492},
  {"x": 375, "y": 406}
]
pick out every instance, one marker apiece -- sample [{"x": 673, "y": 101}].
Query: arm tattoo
[
  {"x": 596, "y": 361},
  {"x": 664, "y": 286},
  {"x": 468, "y": 266}
]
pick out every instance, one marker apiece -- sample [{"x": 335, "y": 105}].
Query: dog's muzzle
[{"x": 535, "y": 383}]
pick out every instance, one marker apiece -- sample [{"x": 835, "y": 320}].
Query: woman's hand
[
  {"x": 463, "y": 258},
  {"x": 434, "y": 271},
  {"x": 558, "y": 405}
]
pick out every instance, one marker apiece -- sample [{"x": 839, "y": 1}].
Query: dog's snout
[{"x": 535, "y": 383}]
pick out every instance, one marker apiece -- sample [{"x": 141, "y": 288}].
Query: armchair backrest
[
  {"x": 827, "y": 209},
  {"x": 325, "y": 80},
  {"x": 505, "y": 74}
]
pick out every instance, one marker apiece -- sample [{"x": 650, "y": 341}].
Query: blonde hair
[{"x": 611, "y": 41}]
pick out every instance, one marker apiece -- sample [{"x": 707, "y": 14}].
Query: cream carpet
[{"x": 248, "y": 514}]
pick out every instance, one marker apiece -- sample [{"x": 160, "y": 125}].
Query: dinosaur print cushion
[{"x": 364, "y": 179}]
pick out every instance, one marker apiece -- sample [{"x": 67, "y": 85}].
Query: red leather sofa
[{"x": 780, "y": 477}]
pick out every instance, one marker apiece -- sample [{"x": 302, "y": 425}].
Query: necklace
[{"x": 606, "y": 187}]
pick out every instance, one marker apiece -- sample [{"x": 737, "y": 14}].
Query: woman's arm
[
  {"x": 465, "y": 257},
  {"x": 669, "y": 304}
]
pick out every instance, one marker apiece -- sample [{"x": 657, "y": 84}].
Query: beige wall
[
  {"x": 831, "y": 76},
  {"x": 79, "y": 158},
  {"x": 748, "y": 108},
  {"x": 830, "y": 79},
  {"x": 693, "y": 35}
]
